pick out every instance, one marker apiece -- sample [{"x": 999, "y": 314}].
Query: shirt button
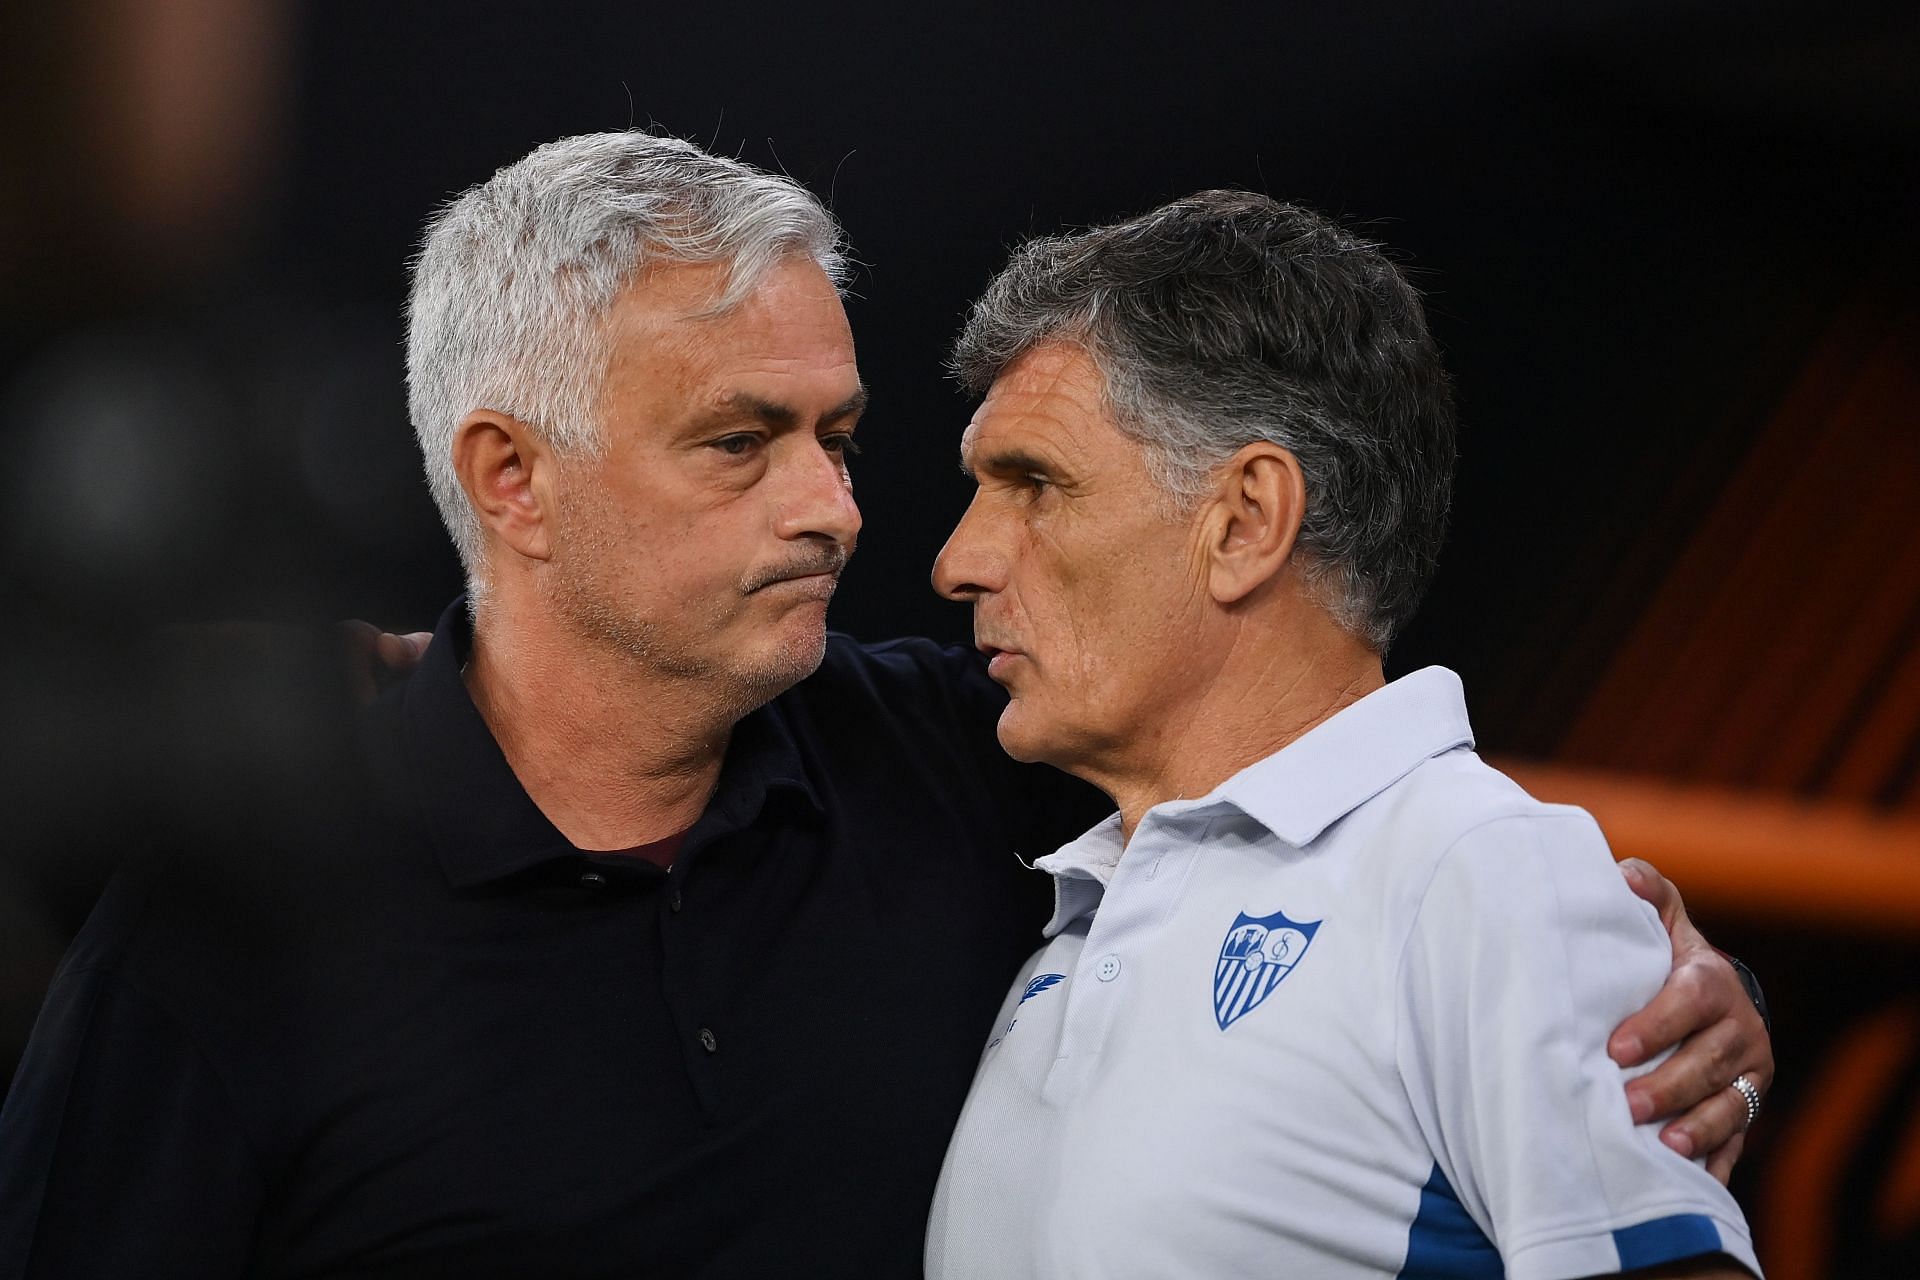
[
  {"x": 707, "y": 1041},
  {"x": 1108, "y": 969},
  {"x": 592, "y": 880},
  {"x": 674, "y": 900}
]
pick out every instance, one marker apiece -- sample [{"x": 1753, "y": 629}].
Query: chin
[
  {"x": 1018, "y": 737},
  {"x": 792, "y": 659}
]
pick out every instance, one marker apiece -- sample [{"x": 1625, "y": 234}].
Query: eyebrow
[{"x": 773, "y": 413}]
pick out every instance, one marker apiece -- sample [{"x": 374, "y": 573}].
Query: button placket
[{"x": 1145, "y": 889}]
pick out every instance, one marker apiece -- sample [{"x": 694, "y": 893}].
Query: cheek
[
  {"x": 1127, "y": 618},
  {"x": 1082, "y": 609},
  {"x": 715, "y": 544}
]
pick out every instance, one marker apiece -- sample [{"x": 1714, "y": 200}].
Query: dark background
[
  {"x": 1635, "y": 224},
  {"x": 1629, "y": 219}
]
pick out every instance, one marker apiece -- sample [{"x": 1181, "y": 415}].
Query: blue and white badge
[{"x": 1256, "y": 953}]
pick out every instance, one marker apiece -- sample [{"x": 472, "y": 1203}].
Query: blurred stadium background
[{"x": 1670, "y": 249}]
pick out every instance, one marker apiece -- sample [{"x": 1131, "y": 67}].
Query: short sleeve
[
  {"x": 119, "y": 1154},
  {"x": 1527, "y": 949}
]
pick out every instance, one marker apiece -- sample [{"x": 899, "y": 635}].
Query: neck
[
  {"x": 615, "y": 755},
  {"x": 1260, "y": 691}
]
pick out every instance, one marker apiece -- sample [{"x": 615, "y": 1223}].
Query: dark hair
[{"x": 1227, "y": 318}]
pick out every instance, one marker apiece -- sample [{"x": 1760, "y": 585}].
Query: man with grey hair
[
  {"x": 661, "y": 935},
  {"x": 1327, "y": 996}
]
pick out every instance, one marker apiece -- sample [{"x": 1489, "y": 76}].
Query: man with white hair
[
  {"x": 1327, "y": 996},
  {"x": 663, "y": 936}
]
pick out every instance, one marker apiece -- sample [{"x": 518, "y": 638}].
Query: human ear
[
  {"x": 507, "y": 473},
  {"x": 1253, "y": 518}
]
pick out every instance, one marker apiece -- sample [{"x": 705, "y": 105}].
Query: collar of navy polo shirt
[
  {"x": 484, "y": 824},
  {"x": 1298, "y": 791}
]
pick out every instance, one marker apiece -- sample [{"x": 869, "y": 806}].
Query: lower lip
[
  {"x": 815, "y": 586},
  {"x": 997, "y": 665}
]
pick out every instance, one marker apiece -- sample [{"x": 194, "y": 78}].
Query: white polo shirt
[{"x": 1345, "y": 1016}]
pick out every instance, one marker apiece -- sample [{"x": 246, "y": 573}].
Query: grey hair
[
  {"x": 1228, "y": 318},
  {"x": 515, "y": 276}
]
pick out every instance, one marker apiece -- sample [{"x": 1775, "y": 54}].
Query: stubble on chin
[
  {"x": 684, "y": 644},
  {"x": 659, "y": 649}
]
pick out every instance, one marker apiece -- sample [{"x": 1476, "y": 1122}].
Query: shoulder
[
  {"x": 117, "y": 922},
  {"x": 220, "y": 931},
  {"x": 909, "y": 664},
  {"x": 179, "y": 919},
  {"x": 917, "y": 708},
  {"x": 909, "y": 686},
  {"x": 1504, "y": 874},
  {"x": 1461, "y": 840},
  {"x": 125, "y": 992},
  {"x": 1455, "y": 808}
]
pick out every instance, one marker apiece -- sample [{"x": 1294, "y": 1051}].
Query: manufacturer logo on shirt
[
  {"x": 1256, "y": 954},
  {"x": 1040, "y": 984},
  {"x": 1034, "y": 988}
]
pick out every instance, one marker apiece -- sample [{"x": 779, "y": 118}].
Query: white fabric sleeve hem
[{"x": 1634, "y": 1247}]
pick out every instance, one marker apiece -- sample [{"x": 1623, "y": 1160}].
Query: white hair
[{"x": 515, "y": 276}]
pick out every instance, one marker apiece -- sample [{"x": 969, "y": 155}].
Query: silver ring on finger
[{"x": 1750, "y": 1094}]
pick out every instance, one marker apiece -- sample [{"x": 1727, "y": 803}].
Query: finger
[
  {"x": 1709, "y": 1126},
  {"x": 1697, "y": 1072},
  {"x": 1761, "y": 1071},
  {"x": 1701, "y": 990},
  {"x": 399, "y": 654},
  {"x": 1720, "y": 1163},
  {"x": 1647, "y": 883}
]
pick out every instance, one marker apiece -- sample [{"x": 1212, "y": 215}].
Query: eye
[
  {"x": 840, "y": 444},
  {"x": 737, "y": 445}
]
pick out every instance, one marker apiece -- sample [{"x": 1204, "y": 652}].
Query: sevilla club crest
[{"x": 1254, "y": 956}]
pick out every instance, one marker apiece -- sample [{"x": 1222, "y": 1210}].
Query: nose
[
  {"x": 817, "y": 499},
  {"x": 969, "y": 566}
]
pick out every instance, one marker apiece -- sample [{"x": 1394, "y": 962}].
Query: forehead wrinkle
[{"x": 1038, "y": 415}]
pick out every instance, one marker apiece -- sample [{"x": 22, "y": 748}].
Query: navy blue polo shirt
[{"x": 421, "y": 1034}]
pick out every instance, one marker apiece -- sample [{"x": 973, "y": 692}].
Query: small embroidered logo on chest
[
  {"x": 1040, "y": 984},
  {"x": 1256, "y": 954},
  {"x": 1034, "y": 988}
]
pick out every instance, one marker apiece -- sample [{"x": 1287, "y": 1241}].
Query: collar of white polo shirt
[{"x": 1298, "y": 791}]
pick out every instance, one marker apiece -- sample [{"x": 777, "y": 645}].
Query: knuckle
[
  {"x": 1710, "y": 1129},
  {"x": 1727, "y": 1054},
  {"x": 1706, "y": 980},
  {"x": 1664, "y": 1088}
]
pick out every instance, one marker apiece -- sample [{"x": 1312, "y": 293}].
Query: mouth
[
  {"x": 998, "y": 659},
  {"x": 812, "y": 577},
  {"x": 805, "y": 586}
]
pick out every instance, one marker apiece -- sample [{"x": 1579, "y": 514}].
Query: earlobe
[
  {"x": 503, "y": 467},
  {"x": 1255, "y": 518}
]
